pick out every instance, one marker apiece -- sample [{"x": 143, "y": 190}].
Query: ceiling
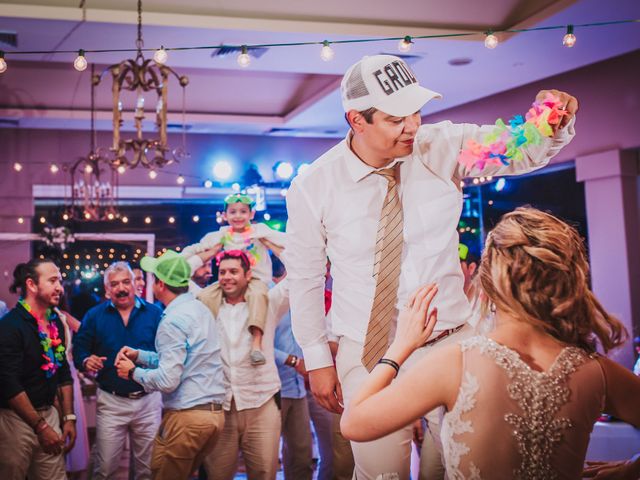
[{"x": 289, "y": 90}]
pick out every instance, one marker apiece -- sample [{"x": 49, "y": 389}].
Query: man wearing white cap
[{"x": 384, "y": 205}]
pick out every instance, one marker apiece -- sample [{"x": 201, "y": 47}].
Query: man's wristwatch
[
  {"x": 292, "y": 361},
  {"x": 130, "y": 373},
  {"x": 69, "y": 417}
]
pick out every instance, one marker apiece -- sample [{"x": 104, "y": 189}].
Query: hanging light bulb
[
  {"x": 160, "y": 56},
  {"x": 80, "y": 63},
  {"x": 88, "y": 169},
  {"x": 208, "y": 183},
  {"x": 172, "y": 220},
  {"x": 244, "y": 60},
  {"x": 195, "y": 218},
  {"x": 405, "y": 44},
  {"x": 125, "y": 219},
  {"x": 153, "y": 174},
  {"x": 569, "y": 40},
  {"x": 180, "y": 180},
  {"x": 3, "y": 62},
  {"x": 54, "y": 168},
  {"x": 122, "y": 169},
  {"x": 147, "y": 220},
  {"x": 490, "y": 41},
  {"x": 326, "y": 53},
  {"x": 17, "y": 167}
]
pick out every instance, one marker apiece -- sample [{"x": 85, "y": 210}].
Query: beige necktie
[{"x": 386, "y": 271}]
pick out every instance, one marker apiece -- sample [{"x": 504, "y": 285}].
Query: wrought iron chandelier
[
  {"x": 92, "y": 197},
  {"x": 143, "y": 76}
]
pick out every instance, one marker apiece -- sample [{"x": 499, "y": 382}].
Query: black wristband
[
  {"x": 130, "y": 373},
  {"x": 391, "y": 363}
]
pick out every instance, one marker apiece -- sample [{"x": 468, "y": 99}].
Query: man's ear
[
  {"x": 249, "y": 275},
  {"x": 31, "y": 285},
  {"x": 356, "y": 120}
]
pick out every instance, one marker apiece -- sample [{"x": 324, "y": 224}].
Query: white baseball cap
[{"x": 384, "y": 82}]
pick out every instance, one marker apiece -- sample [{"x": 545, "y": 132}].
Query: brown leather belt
[
  {"x": 444, "y": 334},
  {"x": 212, "y": 407}
]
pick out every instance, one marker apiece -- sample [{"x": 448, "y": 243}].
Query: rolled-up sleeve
[
  {"x": 171, "y": 343},
  {"x": 11, "y": 358},
  {"x": 305, "y": 258},
  {"x": 147, "y": 359}
]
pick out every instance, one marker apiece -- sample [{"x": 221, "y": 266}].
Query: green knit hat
[{"x": 170, "y": 267}]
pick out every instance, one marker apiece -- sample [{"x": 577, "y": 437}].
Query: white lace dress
[{"x": 512, "y": 422}]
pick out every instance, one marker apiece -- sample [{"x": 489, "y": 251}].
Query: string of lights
[{"x": 405, "y": 43}]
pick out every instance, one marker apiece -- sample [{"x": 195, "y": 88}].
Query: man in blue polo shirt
[{"x": 125, "y": 319}]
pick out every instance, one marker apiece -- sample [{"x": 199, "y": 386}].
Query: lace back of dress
[{"x": 512, "y": 422}]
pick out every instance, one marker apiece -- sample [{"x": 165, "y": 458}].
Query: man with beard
[
  {"x": 201, "y": 277},
  {"x": 33, "y": 370},
  {"x": 122, "y": 412}
]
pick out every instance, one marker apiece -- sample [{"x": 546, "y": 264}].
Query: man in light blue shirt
[{"x": 186, "y": 368}]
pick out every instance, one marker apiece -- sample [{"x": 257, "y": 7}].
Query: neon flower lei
[
  {"x": 51, "y": 343},
  {"x": 503, "y": 144},
  {"x": 249, "y": 245}
]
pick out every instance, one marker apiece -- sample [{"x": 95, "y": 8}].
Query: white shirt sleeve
[
  {"x": 278, "y": 302},
  {"x": 274, "y": 236},
  {"x": 305, "y": 258},
  {"x": 534, "y": 156},
  {"x": 210, "y": 240}
]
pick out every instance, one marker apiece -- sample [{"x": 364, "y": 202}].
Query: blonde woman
[{"x": 520, "y": 402}]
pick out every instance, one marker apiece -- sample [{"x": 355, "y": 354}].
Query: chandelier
[
  {"x": 92, "y": 196},
  {"x": 143, "y": 77}
]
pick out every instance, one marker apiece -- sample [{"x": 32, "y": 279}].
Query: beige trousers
[
  {"x": 185, "y": 437},
  {"x": 255, "y": 432},
  {"x": 20, "y": 453},
  {"x": 256, "y": 296},
  {"x": 391, "y": 455}
]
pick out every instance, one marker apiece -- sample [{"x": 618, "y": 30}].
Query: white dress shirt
[
  {"x": 334, "y": 208},
  {"x": 250, "y": 386}
]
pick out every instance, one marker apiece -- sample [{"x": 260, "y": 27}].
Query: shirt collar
[
  {"x": 136, "y": 304},
  {"x": 357, "y": 168},
  {"x": 179, "y": 300}
]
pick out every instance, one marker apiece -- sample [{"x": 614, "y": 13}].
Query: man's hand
[
  {"x": 300, "y": 368},
  {"x": 326, "y": 388},
  {"x": 276, "y": 249},
  {"x": 569, "y": 104},
  {"x": 50, "y": 441},
  {"x": 127, "y": 352},
  {"x": 68, "y": 435},
  {"x": 210, "y": 252},
  {"x": 94, "y": 364},
  {"x": 468, "y": 271},
  {"x": 123, "y": 367}
]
